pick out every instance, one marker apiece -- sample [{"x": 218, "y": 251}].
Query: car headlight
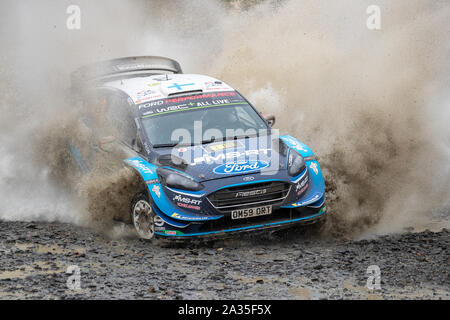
[
  {"x": 296, "y": 163},
  {"x": 177, "y": 180}
]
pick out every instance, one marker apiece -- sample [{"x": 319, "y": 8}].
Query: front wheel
[{"x": 142, "y": 216}]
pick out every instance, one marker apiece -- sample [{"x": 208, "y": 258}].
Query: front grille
[{"x": 255, "y": 194}]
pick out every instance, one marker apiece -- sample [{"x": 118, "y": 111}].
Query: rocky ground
[{"x": 35, "y": 257}]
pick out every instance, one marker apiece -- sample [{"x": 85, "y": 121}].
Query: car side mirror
[
  {"x": 105, "y": 142},
  {"x": 270, "y": 119}
]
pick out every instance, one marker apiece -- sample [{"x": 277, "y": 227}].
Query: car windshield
[{"x": 214, "y": 122}]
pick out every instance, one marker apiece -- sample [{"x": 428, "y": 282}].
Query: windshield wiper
[
  {"x": 208, "y": 141},
  {"x": 242, "y": 137},
  {"x": 171, "y": 145},
  {"x": 165, "y": 145}
]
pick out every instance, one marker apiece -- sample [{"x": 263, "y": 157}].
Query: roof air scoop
[{"x": 185, "y": 93}]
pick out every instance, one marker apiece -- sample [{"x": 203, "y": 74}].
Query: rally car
[{"x": 212, "y": 164}]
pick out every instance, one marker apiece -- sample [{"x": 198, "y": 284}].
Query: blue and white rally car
[{"x": 212, "y": 164}]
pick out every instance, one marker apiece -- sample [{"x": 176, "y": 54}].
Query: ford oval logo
[{"x": 240, "y": 167}]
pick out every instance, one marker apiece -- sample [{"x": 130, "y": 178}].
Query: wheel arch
[{"x": 145, "y": 171}]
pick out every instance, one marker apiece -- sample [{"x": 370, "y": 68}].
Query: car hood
[{"x": 225, "y": 159}]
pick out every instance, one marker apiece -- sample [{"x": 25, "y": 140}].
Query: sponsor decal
[
  {"x": 213, "y": 103},
  {"x": 301, "y": 203},
  {"x": 173, "y": 232},
  {"x": 148, "y": 98},
  {"x": 157, "y": 190},
  {"x": 206, "y": 100},
  {"x": 220, "y": 146},
  {"x": 178, "y": 216},
  {"x": 187, "y": 206},
  {"x": 181, "y": 150},
  {"x": 143, "y": 95},
  {"x": 186, "y": 202},
  {"x": 180, "y": 86},
  {"x": 146, "y": 95},
  {"x": 303, "y": 189},
  {"x": 153, "y": 181},
  {"x": 243, "y": 194},
  {"x": 210, "y": 84},
  {"x": 168, "y": 109},
  {"x": 151, "y": 104},
  {"x": 302, "y": 186},
  {"x": 190, "y": 106},
  {"x": 216, "y": 86},
  {"x": 202, "y": 96},
  {"x": 248, "y": 178},
  {"x": 146, "y": 147},
  {"x": 313, "y": 166},
  {"x": 158, "y": 221},
  {"x": 240, "y": 167},
  {"x": 139, "y": 165}
]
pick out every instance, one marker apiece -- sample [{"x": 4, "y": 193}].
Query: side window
[{"x": 119, "y": 119}]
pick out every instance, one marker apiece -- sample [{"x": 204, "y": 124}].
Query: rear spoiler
[{"x": 122, "y": 68}]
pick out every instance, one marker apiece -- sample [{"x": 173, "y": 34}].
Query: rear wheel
[{"x": 142, "y": 216}]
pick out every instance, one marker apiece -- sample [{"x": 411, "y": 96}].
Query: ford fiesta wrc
[{"x": 210, "y": 163}]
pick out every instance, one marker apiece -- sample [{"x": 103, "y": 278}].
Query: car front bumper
[{"x": 280, "y": 219}]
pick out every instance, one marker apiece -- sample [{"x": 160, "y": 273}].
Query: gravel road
[{"x": 34, "y": 258}]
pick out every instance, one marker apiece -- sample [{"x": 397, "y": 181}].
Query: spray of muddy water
[
  {"x": 371, "y": 104},
  {"x": 364, "y": 100},
  {"x": 38, "y": 54}
]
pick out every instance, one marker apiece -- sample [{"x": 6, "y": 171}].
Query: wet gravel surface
[{"x": 34, "y": 258}]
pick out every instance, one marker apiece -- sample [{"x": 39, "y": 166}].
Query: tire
[{"x": 142, "y": 216}]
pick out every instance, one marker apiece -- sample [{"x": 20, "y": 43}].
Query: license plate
[{"x": 251, "y": 212}]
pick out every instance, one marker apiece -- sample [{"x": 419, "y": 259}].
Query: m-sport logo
[{"x": 240, "y": 167}]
